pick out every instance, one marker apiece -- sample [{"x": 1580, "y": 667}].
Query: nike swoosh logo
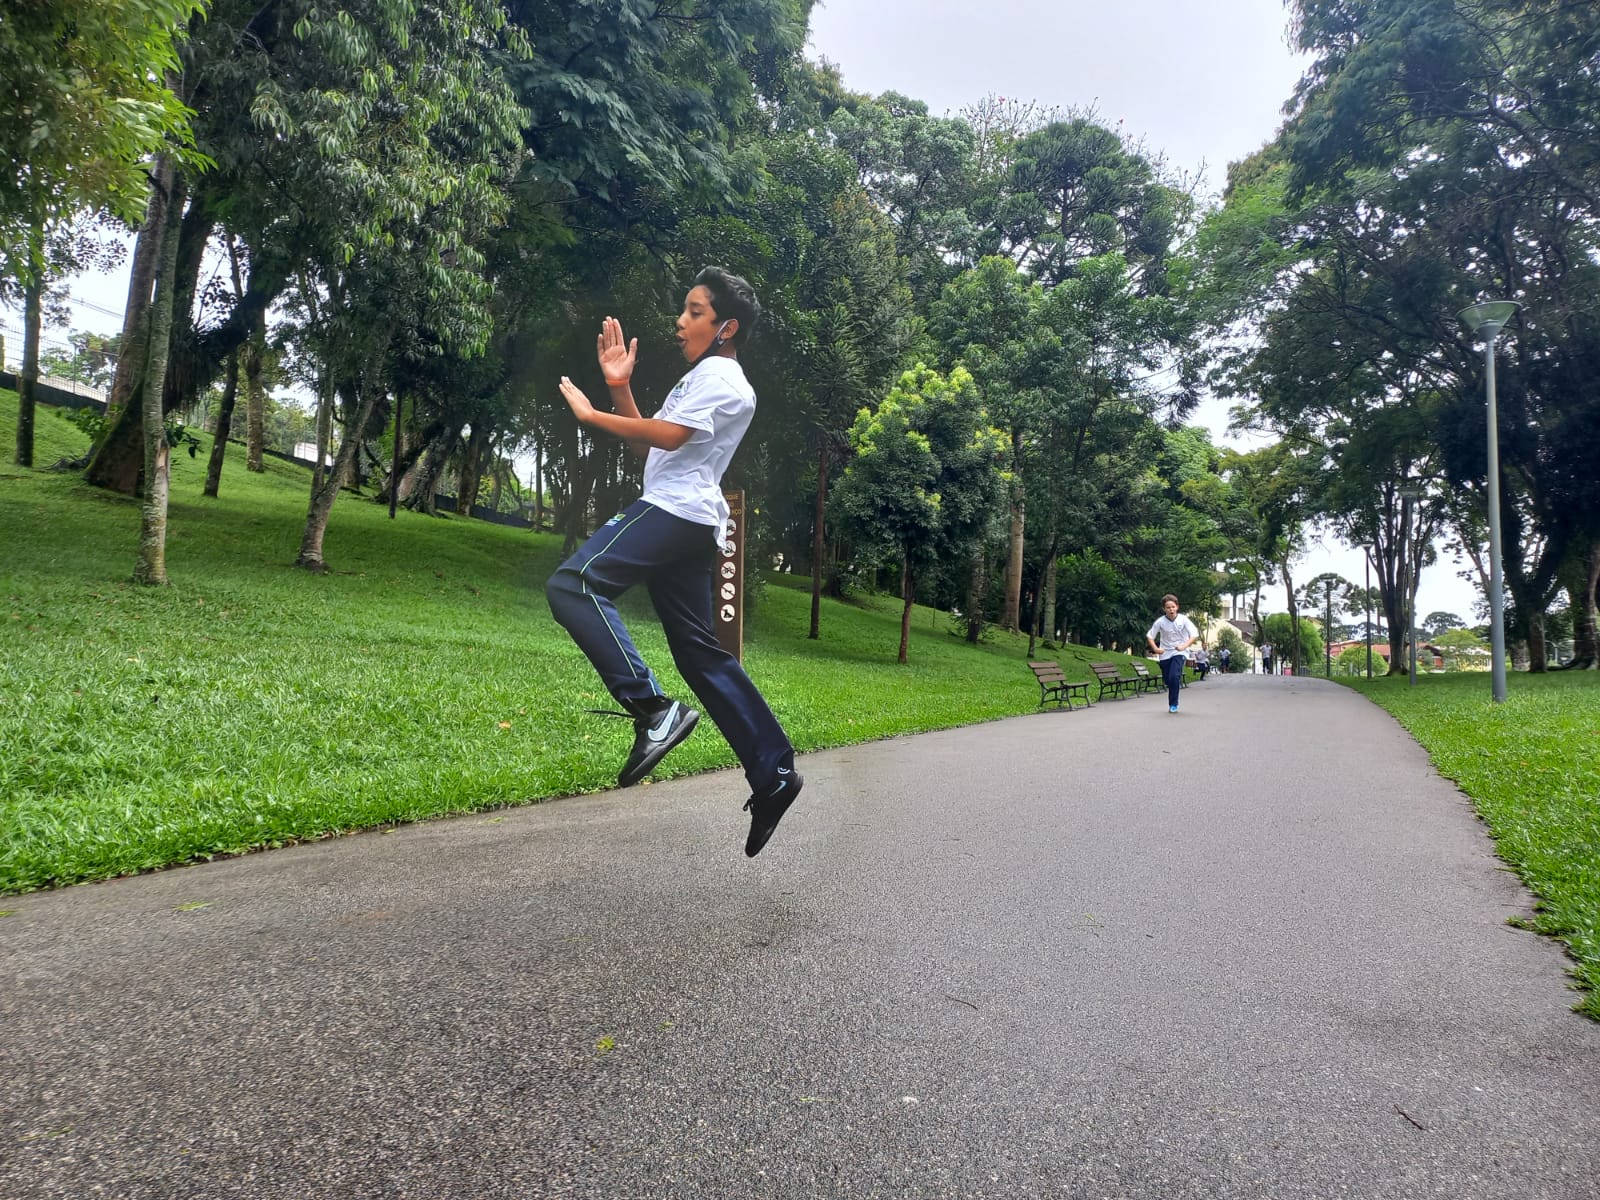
[{"x": 658, "y": 733}]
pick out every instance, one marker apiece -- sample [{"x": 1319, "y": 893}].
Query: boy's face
[
  {"x": 1171, "y": 609},
  {"x": 698, "y": 324}
]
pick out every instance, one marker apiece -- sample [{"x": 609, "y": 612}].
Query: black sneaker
[
  {"x": 766, "y": 808},
  {"x": 653, "y": 737}
]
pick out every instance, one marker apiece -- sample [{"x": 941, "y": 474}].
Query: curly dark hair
[{"x": 732, "y": 298}]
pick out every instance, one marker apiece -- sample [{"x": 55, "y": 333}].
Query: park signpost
[{"x": 727, "y": 588}]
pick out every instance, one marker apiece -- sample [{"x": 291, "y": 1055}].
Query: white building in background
[{"x": 306, "y": 452}]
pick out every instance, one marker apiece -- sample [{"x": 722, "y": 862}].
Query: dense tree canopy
[{"x": 438, "y": 205}]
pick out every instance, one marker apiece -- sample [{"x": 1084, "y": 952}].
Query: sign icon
[
  {"x": 728, "y": 591},
  {"x": 729, "y": 570},
  {"x": 727, "y": 612}
]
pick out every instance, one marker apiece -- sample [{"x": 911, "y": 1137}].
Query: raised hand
[
  {"x": 577, "y": 401},
  {"x": 616, "y": 355}
]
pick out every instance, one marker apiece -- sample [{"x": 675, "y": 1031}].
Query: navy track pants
[
  {"x": 1172, "y": 672},
  {"x": 676, "y": 561}
]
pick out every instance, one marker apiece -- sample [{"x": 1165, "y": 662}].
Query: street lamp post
[{"x": 1489, "y": 319}]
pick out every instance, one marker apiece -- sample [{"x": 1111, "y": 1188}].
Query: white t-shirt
[
  {"x": 717, "y": 401},
  {"x": 1169, "y": 635}
]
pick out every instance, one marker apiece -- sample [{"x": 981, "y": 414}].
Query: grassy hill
[{"x": 250, "y": 704}]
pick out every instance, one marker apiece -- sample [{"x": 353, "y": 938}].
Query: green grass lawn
[
  {"x": 1531, "y": 769},
  {"x": 251, "y": 704}
]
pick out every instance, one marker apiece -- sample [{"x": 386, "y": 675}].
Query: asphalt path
[{"x": 1257, "y": 949}]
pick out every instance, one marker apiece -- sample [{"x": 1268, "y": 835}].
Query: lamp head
[{"x": 1489, "y": 317}]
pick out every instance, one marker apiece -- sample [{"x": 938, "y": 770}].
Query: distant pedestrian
[
  {"x": 1202, "y": 663},
  {"x": 1224, "y": 657},
  {"x": 668, "y": 540},
  {"x": 1176, "y": 633},
  {"x": 1266, "y": 660}
]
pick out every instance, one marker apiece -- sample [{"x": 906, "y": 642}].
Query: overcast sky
[{"x": 1201, "y": 83}]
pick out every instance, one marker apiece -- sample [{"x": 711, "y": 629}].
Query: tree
[
  {"x": 1276, "y": 483},
  {"x": 1463, "y": 137},
  {"x": 1581, "y": 578},
  {"x": 1436, "y": 624},
  {"x": 644, "y": 147},
  {"x": 921, "y": 173},
  {"x": 92, "y": 359},
  {"x": 1325, "y": 595},
  {"x": 988, "y": 321},
  {"x": 166, "y": 200},
  {"x": 1078, "y": 192},
  {"x": 1239, "y": 652},
  {"x": 328, "y": 131},
  {"x": 84, "y": 105},
  {"x": 49, "y": 250},
  {"x": 925, "y": 477},
  {"x": 1353, "y": 660},
  {"x": 1462, "y": 650},
  {"x": 1280, "y": 632},
  {"x": 842, "y": 309}
]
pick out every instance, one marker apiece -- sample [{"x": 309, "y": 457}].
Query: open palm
[{"x": 616, "y": 354}]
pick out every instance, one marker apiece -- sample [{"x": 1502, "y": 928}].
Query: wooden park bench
[
  {"x": 1114, "y": 681},
  {"x": 1054, "y": 685},
  {"x": 1152, "y": 680}
]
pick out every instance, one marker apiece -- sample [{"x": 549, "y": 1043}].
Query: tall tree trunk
[
  {"x": 1294, "y": 618},
  {"x": 32, "y": 319},
  {"x": 1582, "y": 579},
  {"x": 1538, "y": 651},
  {"x": 1255, "y": 617},
  {"x": 1011, "y": 607},
  {"x": 422, "y": 483},
  {"x": 361, "y": 406},
  {"x": 230, "y": 386},
  {"x": 819, "y": 540},
  {"x": 1049, "y": 630},
  {"x": 496, "y": 482},
  {"x": 405, "y": 458},
  {"x": 219, "y": 444},
  {"x": 135, "y": 343},
  {"x": 907, "y": 593},
  {"x": 255, "y": 397},
  {"x": 324, "y": 430},
  {"x": 471, "y": 470},
  {"x": 576, "y": 513},
  {"x": 151, "y": 567},
  {"x": 977, "y": 592},
  {"x": 116, "y": 461}
]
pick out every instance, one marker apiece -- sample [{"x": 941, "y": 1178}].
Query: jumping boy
[{"x": 668, "y": 541}]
